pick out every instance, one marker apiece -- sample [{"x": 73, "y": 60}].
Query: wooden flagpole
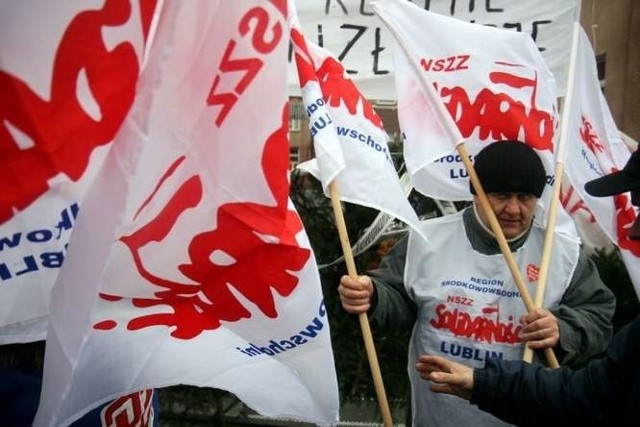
[
  {"x": 502, "y": 242},
  {"x": 559, "y": 172},
  {"x": 362, "y": 317},
  {"x": 546, "y": 250}
]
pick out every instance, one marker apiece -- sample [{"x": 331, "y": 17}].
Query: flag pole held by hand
[
  {"x": 362, "y": 317},
  {"x": 559, "y": 172},
  {"x": 502, "y": 242}
]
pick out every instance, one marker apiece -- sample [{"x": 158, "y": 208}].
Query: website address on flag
[
  {"x": 274, "y": 347},
  {"x": 361, "y": 137}
]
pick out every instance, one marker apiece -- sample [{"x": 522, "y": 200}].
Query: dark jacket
[{"x": 605, "y": 391}]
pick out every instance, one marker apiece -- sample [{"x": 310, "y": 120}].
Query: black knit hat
[{"x": 509, "y": 167}]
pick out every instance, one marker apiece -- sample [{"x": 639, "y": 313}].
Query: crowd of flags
[{"x": 188, "y": 263}]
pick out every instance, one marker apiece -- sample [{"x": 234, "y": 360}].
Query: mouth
[{"x": 509, "y": 222}]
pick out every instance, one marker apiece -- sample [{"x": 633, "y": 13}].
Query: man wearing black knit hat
[
  {"x": 604, "y": 392},
  {"x": 457, "y": 293}
]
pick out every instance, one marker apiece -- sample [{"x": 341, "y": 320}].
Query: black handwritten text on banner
[{"x": 353, "y": 33}]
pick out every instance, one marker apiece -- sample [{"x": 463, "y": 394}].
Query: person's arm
[
  {"x": 520, "y": 393},
  {"x": 381, "y": 293},
  {"x": 525, "y": 394},
  {"x": 584, "y": 315},
  {"x": 391, "y": 306}
]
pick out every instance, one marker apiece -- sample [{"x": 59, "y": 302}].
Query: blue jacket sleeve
[{"x": 606, "y": 389}]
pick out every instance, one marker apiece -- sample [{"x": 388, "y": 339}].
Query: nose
[{"x": 512, "y": 205}]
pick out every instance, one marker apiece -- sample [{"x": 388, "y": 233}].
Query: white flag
[
  {"x": 594, "y": 149},
  {"x": 189, "y": 264},
  {"x": 493, "y": 83},
  {"x": 349, "y": 138},
  {"x": 67, "y": 77}
]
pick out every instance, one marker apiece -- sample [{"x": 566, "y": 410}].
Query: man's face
[{"x": 514, "y": 212}]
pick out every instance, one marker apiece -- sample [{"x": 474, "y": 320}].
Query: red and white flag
[
  {"x": 350, "y": 142},
  {"x": 595, "y": 148},
  {"x": 68, "y": 73},
  {"x": 493, "y": 83},
  {"x": 189, "y": 264}
]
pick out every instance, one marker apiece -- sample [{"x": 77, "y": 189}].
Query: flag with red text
[
  {"x": 350, "y": 142},
  {"x": 189, "y": 264},
  {"x": 68, "y": 73},
  {"x": 594, "y": 149},
  {"x": 493, "y": 83}
]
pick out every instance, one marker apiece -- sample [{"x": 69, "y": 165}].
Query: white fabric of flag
[
  {"x": 67, "y": 75},
  {"x": 595, "y": 148},
  {"x": 329, "y": 160},
  {"x": 189, "y": 264},
  {"x": 350, "y": 142},
  {"x": 493, "y": 83},
  {"x": 587, "y": 227}
]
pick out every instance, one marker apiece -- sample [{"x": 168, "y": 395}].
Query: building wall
[{"x": 613, "y": 27}]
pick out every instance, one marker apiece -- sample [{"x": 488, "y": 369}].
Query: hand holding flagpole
[
  {"x": 362, "y": 317},
  {"x": 502, "y": 242}
]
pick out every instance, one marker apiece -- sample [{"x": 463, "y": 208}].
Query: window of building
[
  {"x": 294, "y": 125},
  {"x": 601, "y": 65}
]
